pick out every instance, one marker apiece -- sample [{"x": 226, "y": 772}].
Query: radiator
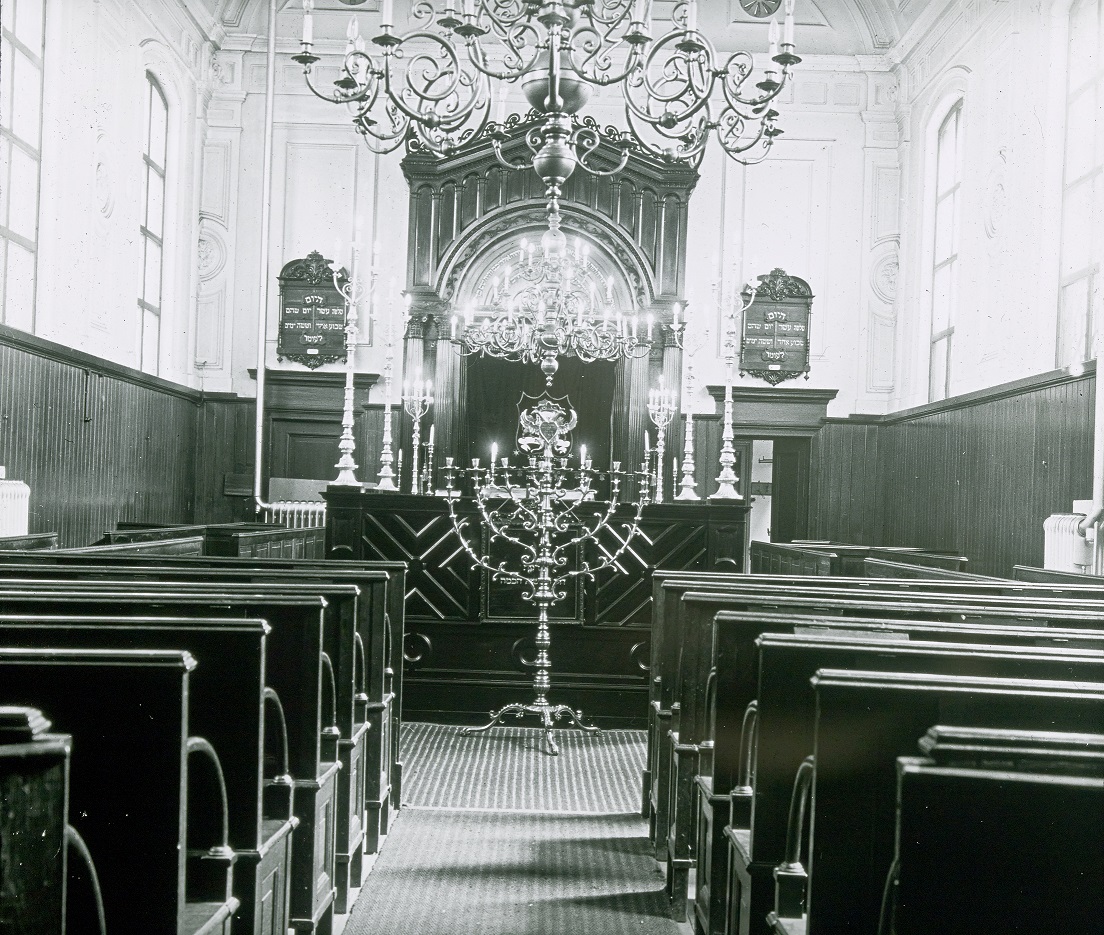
[
  {"x": 1064, "y": 548},
  {"x": 15, "y": 506},
  {"x": 296, "y": 514}
]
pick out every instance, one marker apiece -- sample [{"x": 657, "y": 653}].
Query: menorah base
[{"x": 547, "y": 714}]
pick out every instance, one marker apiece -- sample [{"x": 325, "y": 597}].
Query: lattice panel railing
[
  {"x": 623, "y": 593},
  {"x": 441, "y": 583}
]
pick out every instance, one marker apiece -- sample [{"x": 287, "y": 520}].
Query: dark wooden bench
[
  {"x": 34, "y": 790},
  {"x": 689, "y": 726},
  {"x": 751, "y": 793},
  {"x": 228, "y": 704},
  {"x": 382, "y": 650},
  {"x": 237, "y": 540},
  {"x": 296, "y": 667},
  {"x": 1050, "y": 576},
  {"x": 378, "y": 659},
  {"x": 184, "y": 545},
  {"x": 865, "y": 720},
  {"x": 886, "y": 568},
  {"x": 983, "y": 807},
  {"x": 29, "y": 543},
  {"x": 136, "y": 775},
  {"x": 668, "y": 639}
]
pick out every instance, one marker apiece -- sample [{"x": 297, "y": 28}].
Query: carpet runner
[{"x": 498, "y": 838}]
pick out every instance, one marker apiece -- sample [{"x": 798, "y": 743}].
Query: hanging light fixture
[
  {"x": 433, "y": 84},
  {"x": 551, "y": 304}
]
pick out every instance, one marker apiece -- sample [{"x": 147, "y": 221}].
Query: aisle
[{"x": 500, "y": 839}]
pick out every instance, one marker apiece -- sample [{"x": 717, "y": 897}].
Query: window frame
[{"x": 154, "y": 92}]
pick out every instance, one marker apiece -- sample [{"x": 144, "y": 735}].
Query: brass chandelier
[
  {"x": 551, "y": 306},
  {"x": 433, "y": 83}
]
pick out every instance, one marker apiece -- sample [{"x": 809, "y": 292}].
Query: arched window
[
  {"x": 22, "y": 43},
  {"x": 945, "y": 210},
  {"x": 154, "y": 151},
  {"x": 1083, "y": 185}
]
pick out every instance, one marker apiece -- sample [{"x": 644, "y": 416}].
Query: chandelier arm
[
  {"x": 585, "y": 140},
  {"x": 730, "y": 140},
  {"x": 499, "y": 530},
  {"x": 516, "y": 166},
  {"x": 477, "y": 56},
  {"x": 611, "y": 558},
  {"x": 691, "y": 148},
  {"x": 599, "y": 52},
  {"x": 341, "y": 96}
]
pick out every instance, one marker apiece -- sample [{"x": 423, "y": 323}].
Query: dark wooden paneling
[
  {"x": 975, "y": 475},
  {"x": 844, "y": 502},
  {"x": 224, "y": 459},
  {"x": 96, "y": 442}
]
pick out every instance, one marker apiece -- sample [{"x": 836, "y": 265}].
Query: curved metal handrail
[
  {"x": 799, "y": 803},
  {"x": 749, "y": 735},
  {"x": 360, "y": 669},
  {"x": 73, "y": 841},
  {"x": 331, "y": 731}
]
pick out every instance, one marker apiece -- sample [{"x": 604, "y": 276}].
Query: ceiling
[{"x": 827, "y": 27}]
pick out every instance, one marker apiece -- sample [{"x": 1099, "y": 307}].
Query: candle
[
  {"x": 675, "y": 309},
  {"x": 650, "y": 322},
  {"x": 432, "y": 433},
  {"x": 469, "y": 7},
  {"x": 582, "y": 456},
  {"x": 692, "y": 15},
  {"x": 351, "y": 32},
  {"x": 387, "y": 17},
  {"x": 500, "y": 112},
  {"x": 308, "y": 22},
  {"x": 772, "y": 36},
  {"x": 647, "y": 444},
  {"x": 429, "y": 389},
  {"x": 454, "y": 326},
  {"x": 788, "y": 34},
  {"x": 494, "y": 453},
  {"x": 609, "y": 290}
]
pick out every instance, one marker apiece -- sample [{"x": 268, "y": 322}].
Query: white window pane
[
  {"x": 158, "y": 120},
  {"x": 151, "y": 336},
  {"x": 1080, "y": 134},
  {"x": 5, "y": 162},
  {"x": 944, "y": 229},
  {"x": 26, "y": 84},
  {"x": 1084, "y": 41},
  {"x": 23, "y": 194},
  {"x": 20, "y": 284},
  {"x": 946, "y": 173},
  {"x": 28, "y": 24},
  {"x": 5, "y": 83},
  {"x": 942, "y": 298},
  {"x": 1072, "y": 322},
  {"x": 937, "y": 369},
  {"x": 151, "y": 288},
  {"x": 155, "y": 201},
  {"x": 1077, "y": 228}
]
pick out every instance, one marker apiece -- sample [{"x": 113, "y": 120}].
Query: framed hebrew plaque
[
  {"x": 775, "y": 341},
  {"x": 312, "y": 313}
]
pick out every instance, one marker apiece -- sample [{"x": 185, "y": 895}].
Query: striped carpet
[
  {"x": 505, "y": 768},
  {"x": 497, "y": 838}
]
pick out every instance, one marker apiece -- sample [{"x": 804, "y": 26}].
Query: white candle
[
  {"x": 692, "y": 15},
  {"x": 650, "y": 322},
  {"x": 494, "y": 453},
  {"x": 429, "y": 387},
  {"x": 675, "y": 309},
  {"x": 308, "y": 22},
  {"x": 788, "y": 33},
  {"x": 454, "y": 326},
  {"x": 582, "y": 456},
  {"x": 772, "y": 36},
  {"x": 432, "y": 432},
  {"x": 647, "y": 445},
  {"x": 387, "y": 17}
]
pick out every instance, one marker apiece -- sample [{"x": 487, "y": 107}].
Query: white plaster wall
[
  {"x": 1009, "y": 58},
  {"x": 97, "y": 54}
]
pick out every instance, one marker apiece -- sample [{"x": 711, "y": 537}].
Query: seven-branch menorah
[{"x": 547, "y": 509}]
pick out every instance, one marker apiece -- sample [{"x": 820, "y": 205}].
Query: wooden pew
[
  {"x": 786, "y": 657},
  {"x": 383, "y": 649},
  {"x": 296, "y": 667},
  {"x": 865, "y": 720},
  {"x": 33, "y": 542},
  {"x": 1050, "y": 576},
  {"x": 983, "y": 807},
  {"x": 132, "y": 785},
  {"x": 237, "y": 540},
  {"x": 688, "y": 722},
  {"x": 884, "y": 568},
  {"x": 351, "y": 611},
  {"x": 34, "y": 790},
  {"x": 185, "y": 545},
  {"x": 667, "y": 640},
  {"x": 228, "y": 703},
  {"x": 380, "y": 622}
]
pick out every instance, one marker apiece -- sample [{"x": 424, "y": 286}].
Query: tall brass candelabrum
[{"x": 545, "y": 508}]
